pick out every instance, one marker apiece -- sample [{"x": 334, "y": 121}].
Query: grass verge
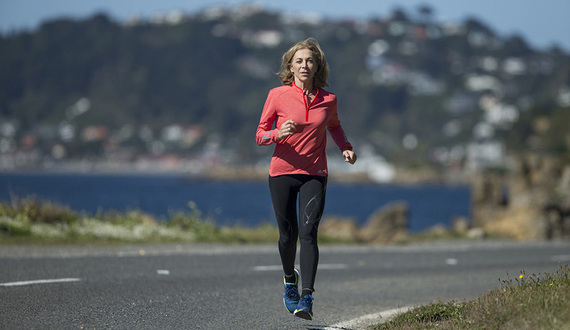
[
  {"x": 30, "y": 220},
  {"x": 525, "y": 302}
]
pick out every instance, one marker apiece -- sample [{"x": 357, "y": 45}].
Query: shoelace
[
  {"x": 306, "y": 301},
  {"x": 291, "y": 291}
]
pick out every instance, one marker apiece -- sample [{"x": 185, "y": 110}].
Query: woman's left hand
[{"x": 349, "y": 156}]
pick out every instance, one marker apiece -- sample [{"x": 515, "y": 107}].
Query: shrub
[{"x": 35, "y": 211}]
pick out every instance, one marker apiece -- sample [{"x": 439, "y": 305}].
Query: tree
[{"x": 426, "y": 13}]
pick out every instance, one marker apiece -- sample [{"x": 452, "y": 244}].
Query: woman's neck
[{"x": 307, "y": 88}]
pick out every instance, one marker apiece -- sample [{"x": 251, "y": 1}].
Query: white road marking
[
  {"x": 271, "y": 268},
  {"x": 364, "y": 321},
  {"x": 451, "y": 261},
  {"x": 48, "y": 281},
  {"x": 267, "y": 268},
  {"x": 163, "y": 272}
]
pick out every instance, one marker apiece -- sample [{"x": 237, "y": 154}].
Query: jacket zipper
[{"x": 305, "y": 102}]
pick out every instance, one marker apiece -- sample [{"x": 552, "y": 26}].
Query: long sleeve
[
  {"x": 265, "y": 134},
  {"x": 336, "y": 131}
]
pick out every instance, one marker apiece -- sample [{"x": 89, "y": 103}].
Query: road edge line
[{"x": 367, "y": 320}]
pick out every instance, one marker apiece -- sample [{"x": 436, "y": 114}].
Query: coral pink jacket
[{"x": 304, "y": 151}]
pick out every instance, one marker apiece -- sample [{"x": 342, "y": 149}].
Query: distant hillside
[{"x": 192, "y": 87}]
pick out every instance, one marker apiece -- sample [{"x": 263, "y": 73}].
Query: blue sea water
[{"x": 246, "y": 203}]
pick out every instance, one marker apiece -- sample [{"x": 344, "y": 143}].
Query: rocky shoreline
[{"x": 531, "y": 201}]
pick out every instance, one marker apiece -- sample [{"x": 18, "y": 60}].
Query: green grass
[
  {"x": 30, "y": 220},
  {"x": 525, "y": 302}
]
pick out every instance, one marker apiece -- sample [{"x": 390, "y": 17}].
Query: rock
[
  {"x": 557, "y": 221},
  {"x": 387, "y": 224},
  {"x": 564, "y": 184},
  {"x": 476, "y": 233},
  {"x": 530, "y": 201},
  {"x": 437, "y": 230},
  {"x": 489, "y": 193},
  {"x": 521, "y": 222},
  {"x": 460, "y": 225},
  {"x": 344, "y": 229}
]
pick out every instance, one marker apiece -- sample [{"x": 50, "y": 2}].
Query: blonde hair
[{"x": 321, "y": 74}]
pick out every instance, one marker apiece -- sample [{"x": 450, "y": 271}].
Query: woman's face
[{"x": 303, "y": 66}]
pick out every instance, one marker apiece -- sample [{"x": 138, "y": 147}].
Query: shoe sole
[
  {"x": 289, "y": 310},
  {"x": 303, "y": 314}
]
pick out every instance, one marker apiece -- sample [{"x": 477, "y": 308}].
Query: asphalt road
[{"x": 240, "y": 287}]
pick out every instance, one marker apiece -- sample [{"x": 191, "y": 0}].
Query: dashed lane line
[{"x": 46, "y": 281}]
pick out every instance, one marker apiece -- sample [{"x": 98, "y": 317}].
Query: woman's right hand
[{"x": 288, "y": 128}]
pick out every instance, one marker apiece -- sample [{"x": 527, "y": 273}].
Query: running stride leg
[
  {"x": 311, "y": 206},
  {"x": 284, "y": 191}
]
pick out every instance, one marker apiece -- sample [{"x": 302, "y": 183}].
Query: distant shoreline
[{"x": 244, "y": 174}]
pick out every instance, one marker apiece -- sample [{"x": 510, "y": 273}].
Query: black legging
[{"x": 311, "y": 190}]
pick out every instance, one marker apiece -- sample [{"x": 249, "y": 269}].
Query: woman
[{"x": 302, "y": 111}]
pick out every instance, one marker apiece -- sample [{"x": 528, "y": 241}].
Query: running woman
[{"x": 295, "y": 118}]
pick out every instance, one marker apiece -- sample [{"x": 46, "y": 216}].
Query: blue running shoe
[
  {"x": 305, "y": 308},
  {"x": 291, "y": 297}
]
